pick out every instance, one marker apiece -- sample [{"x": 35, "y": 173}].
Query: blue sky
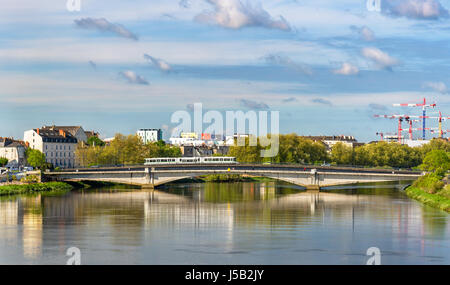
[{"x": 116, "y": 66}]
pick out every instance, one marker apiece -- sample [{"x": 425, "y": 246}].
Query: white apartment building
[
  {"x": 13, "y": 150},
  {"x": 150, "y": 135},
  {"x": 58, "y": 145}
]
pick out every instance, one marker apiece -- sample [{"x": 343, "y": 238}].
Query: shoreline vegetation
[
  {"x": 45, "y": 187},
  {"x": 430, "y": 190},
  {"x": 16, "y": 189}
]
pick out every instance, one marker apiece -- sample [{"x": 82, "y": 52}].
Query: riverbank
[
  {"x": 15, "y": 189},
  {"x": 433, "y": 200},
  {"x": 431, "y": 191}
]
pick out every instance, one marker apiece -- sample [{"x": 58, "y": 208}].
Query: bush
[
  {"x": 431, "y": 183},
  {"x": 31, "y": 188},
  {"x": 30, "y": 179},
  {"x": 437, "y": 161},
  {"x": 3, "y": 161}
]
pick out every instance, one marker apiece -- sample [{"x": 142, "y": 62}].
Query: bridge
[{"x": 310, "y": 177}]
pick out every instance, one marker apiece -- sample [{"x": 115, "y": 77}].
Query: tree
[
  {"x": 342, "y": 154},
  {"x": 436, "y": 161},
  {"x": 246, "y": 153},
  {"x": 436, "y": 143},
  {"x": 3, "y": 161},
  {"x": 95, "y": 141},
  {"x": 35, "y": 158},
  {"x": 123, "y": 150},
  {"x": 295, "y": 149},
  {"x": 292, "y": 149}
]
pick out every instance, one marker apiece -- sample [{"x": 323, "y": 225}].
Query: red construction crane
[
  {"x": 424, "y": 105},
  {"x": 381, "y": 134},
  {"x": 400, "y": 120}
]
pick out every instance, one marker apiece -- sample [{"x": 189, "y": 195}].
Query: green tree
[
  {"x": 295, "y": 149},
  {"x": 434, "y": 144},
  {"x": 3, "y": 161},
  {"x": 123, "y": 150},
  {"x": 35, "y": 158},
  {"x": 292, "y": 149},
  {"x": 95, "y": 141},
  {"x": 436, "y": 161},
  {"x": 342, "y": 154},
  {"x": 246, "y": 153}
]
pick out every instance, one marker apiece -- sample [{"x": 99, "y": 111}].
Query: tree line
[
  {"x": 122, "y": 150},
  {"x": 292, "y": 149},
  {"x": 297, "y": 149}
]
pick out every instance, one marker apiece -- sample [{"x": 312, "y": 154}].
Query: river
[{"x": 223, "y": 223}]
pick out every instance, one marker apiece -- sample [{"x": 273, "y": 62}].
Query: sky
[{"x": 326, "y": 66}]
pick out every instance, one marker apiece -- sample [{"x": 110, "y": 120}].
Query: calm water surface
[{"x": 228, "y": 223}]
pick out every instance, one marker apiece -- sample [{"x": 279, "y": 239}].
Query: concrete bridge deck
[{"x": 310, "y": 177}]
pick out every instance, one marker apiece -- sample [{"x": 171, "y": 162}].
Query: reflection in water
[
  {"x": 32, "y": 221},
  {"x": 263, "y": 223}
]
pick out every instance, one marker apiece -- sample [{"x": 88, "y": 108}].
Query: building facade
[
  {"x": 150, "y": 135},
  {"x": 75, "y": 131},
  {"x": 14, "y": 151},
  {"x": 58, "y": 145}
]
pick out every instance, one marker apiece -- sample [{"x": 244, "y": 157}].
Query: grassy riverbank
[
  {"x": 430, "y": 190},
  {"x": 15, "y": 189}
]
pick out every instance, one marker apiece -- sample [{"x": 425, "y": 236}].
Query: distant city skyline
[{"x": 326, "y": 66}]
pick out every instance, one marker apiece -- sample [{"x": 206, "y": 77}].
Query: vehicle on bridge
[{"x": 191, "y": 160}]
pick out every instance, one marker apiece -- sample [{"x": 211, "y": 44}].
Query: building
[
  {"x": 75, "y": 131},
  {"x": 150, "y": 135},
  {"x": 14, "y": 151},
  {"x": 90, "y": 134},
  {"x": 189, "y": 135},
  {"x": 58, "y": 145},
  {"x": 330, "y": 141}
]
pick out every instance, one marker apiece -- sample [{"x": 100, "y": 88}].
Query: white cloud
[
  {"x": 322, "y": 101},
  {"x": 347, "y": 69},
  {"x": 236, "y": 14},
  {"x": 132, "y": 77},
  {"x": 103, "y": 25},
  {"x": 282, "y": 60},
  {"x": 364, "y": 32},
  {"x": 158, "y": 63},
  {"x": 380, "y": 58},
  {"x": 254, "y": 105},
  {"x": 185, "y": 3},
  {"x": 223, "y": 52},
  {"x": 289, "y": 99},
  {"x": 416, "y": 9},
  {"x": 436, "y": 86}
]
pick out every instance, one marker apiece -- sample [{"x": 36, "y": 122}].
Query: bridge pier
[
  {"x": 149, "y": 178},
  {"x": 313, "y": 187}
]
